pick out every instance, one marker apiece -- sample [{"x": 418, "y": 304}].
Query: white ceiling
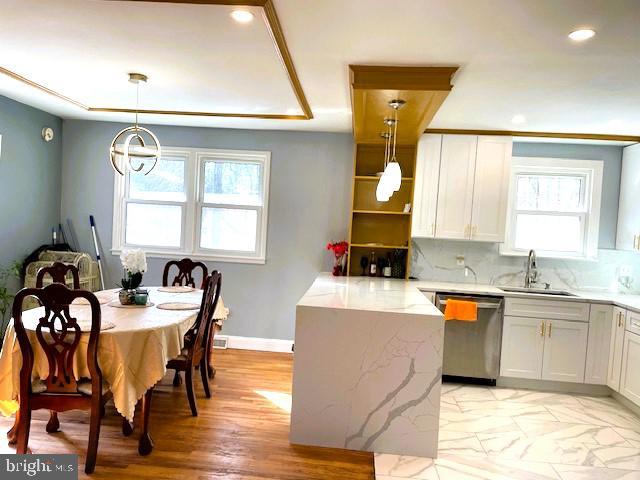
[{"x": 514, "y": 58}]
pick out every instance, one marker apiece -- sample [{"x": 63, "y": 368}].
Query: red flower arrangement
[{"x": 340, "y": 252}]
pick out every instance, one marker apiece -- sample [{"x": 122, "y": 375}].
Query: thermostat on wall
[{"x": 47, "y": 134}]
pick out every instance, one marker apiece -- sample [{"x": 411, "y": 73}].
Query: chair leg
[
  {"x": 94, "y": 436},
  {"x": 12, "y": 435},
  {"x": 23, "y": 430},
  {"x": 188, "y": 379},
  {"x": 204, "y": 374},
  {"x": 127, "y": 427},
  {"x": 53, "y": 425},
  {"x": 177, "y": 379}
]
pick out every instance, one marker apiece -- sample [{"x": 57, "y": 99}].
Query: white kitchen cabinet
[
  {"x": 615, "y": 348},
  {"x": 491, "y": 188},
  {"x": 565, "y": 349},
  {"x": 630, "y": 377},
  {"x": 455, "y": 186},
  {"x": 628, "y": 232},
  {"x": 596, "y": 368},
  {"x": 547, "y": 309},
  {"x": 522, "y": 347},
  {"x": 425, "y": 198}
]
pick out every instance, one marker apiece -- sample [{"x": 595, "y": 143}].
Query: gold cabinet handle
[
  {"x": 550, "y": 329},
  {"x": 542, "y": 328},
  {"x": 619, "y": 319}
]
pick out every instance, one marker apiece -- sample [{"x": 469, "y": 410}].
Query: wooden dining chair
[
  {"x": 58, "y": 272},
  {"x": 58, "y": 334},
  {"x": 194, "y": 353},
  {"x": 186, "y": 268}
]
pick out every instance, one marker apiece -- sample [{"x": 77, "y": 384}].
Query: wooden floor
[{"x": 240, "y": 433}]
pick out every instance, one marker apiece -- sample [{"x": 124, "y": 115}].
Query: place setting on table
[{"x": 135, "y": 327}]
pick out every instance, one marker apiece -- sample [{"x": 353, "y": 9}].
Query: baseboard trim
[
  {"x": 549, "y": 386},
  {"x": 259, "y": 344},
  {"x": 626, "y": 402}
]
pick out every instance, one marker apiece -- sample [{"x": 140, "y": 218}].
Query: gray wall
[
  {"x": 612, "y": 158},
  {"x": 308, "y": 206},
  {"x": 29, "y": 179}
]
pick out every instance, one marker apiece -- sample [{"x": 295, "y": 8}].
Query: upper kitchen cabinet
[
  {"x": 491, "y": 188},
  {"x": 462, "y": 187},
  {"x": 425, "y": 198},
  {"x": 628, "y": 234},
  {"x": 455, "y": 188}
]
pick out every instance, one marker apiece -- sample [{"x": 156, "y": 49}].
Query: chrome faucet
[{"x": 531, "y": 275}]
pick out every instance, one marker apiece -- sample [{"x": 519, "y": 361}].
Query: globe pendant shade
[{"x": 394, "y": 175}]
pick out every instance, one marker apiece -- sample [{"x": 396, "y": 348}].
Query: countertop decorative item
[
  {"x": 340, "y": 257},
  {"x": 134, "y": 264}
]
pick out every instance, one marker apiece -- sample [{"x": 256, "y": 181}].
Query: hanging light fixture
[
  {"x": 391, "y": 177},
  {"x": 132, "y": 139},
  {"x": 395, "y": 173},
  {"x": 383, "y": 193}
]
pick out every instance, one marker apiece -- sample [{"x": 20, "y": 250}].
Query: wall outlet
[
  {"x": 625, "y": 271},
  {"x": 460, "y": 260}
]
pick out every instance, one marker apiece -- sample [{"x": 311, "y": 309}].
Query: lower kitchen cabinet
[
  {"x": 629, "y": 378},
  {"x": 522, "y": 347},
  {"x": 565, "y": 349},
  {"x": 615, "y": 348},
  {"x": 543, "y": 349},
  {"x": 598, "y": 345}
]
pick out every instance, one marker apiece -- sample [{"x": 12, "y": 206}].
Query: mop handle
[{"x": 95, "y": 244}]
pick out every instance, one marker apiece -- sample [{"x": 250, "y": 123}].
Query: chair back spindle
[{"x": 184, "y": 277}]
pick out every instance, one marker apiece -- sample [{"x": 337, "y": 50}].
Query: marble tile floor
[{"x": 508, "y": 434}]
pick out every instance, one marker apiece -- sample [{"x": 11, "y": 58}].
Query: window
[
  {"x": 554, "y": 207},
  {"x": 209, "y": 204}
]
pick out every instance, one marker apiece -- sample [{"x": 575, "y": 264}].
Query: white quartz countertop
[
  {"x": 628, "y": 301},
  {"x": 370, "y": 294}
]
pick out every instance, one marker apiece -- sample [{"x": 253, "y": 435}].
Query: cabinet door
[
  {"x": 522, "y": 347},
  {"x": 425, "y": 192},
  {"x": 615, "y": 348},
  {"x": 628, "y": 213},
  {"x": 455, "y": 187},
  {"x": 491, "y": 188},
  {"x": 565, "y": 350},
  {"x": 598, "y": 345},
  {"x": 630, "y": 377}
]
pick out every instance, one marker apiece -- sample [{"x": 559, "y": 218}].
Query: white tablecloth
[{"x": 132, "y": 356}]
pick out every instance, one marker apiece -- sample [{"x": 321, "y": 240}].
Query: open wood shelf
[
  {"x": 381, "y": 212},
  {"x": 376, "y": 177},
  {"x": 366, "y": 245}
]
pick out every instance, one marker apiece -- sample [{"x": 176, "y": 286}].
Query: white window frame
[
  {"x": 590, "y": 170},
  {"x": 195, "y": 159}
]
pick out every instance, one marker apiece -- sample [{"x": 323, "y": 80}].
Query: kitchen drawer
[
  {"x": 551, "y": 309},
  {"x": 633, "y": 322}
]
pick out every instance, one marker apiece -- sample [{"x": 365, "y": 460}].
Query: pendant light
[
  {"x": 395, "y": 173},
  {"x": 383, "y": 192},
  {"x": 391, "y": 178},
  {"x": 133, "y": 142}
]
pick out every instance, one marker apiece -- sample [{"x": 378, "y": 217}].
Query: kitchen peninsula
[{"x": 367, "y": 367}]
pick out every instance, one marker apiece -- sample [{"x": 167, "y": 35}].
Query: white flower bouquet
[{"x": 134, "y": 263}]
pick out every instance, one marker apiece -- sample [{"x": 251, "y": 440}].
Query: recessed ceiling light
[
  {"x": 518, "y": 119},
  {"x": 582, "y": 34},
  {"x": 242, "y": 16}
]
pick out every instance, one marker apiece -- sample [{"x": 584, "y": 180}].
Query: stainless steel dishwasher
[{"x": 472, "y": 349}]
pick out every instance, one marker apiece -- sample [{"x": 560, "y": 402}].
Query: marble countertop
[
  {"x": 369, "y": 294},
  {"x": 628, "y": 301}
]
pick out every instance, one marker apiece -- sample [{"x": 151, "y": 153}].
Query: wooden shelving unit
[{"x": 382, "y": 227}]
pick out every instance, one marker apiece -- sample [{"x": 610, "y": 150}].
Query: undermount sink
[{"x": 537, "y": 291}]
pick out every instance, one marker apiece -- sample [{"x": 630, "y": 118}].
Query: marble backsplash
[{"x": 436, "y": 260}]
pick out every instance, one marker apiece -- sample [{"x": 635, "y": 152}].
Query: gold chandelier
[{"x": 129, "y": 143}]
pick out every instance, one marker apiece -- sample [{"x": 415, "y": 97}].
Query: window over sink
[
  {"x": 202, "y": 203},
  {"x": 554, "y": 207}
]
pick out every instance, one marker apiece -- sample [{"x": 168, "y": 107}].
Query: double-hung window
[
  {"x": 209, "y": 204},
  {"x": 554, "y": 207}
]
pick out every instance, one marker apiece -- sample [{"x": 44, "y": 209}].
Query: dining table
[{"x": 134, "y": 346}]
